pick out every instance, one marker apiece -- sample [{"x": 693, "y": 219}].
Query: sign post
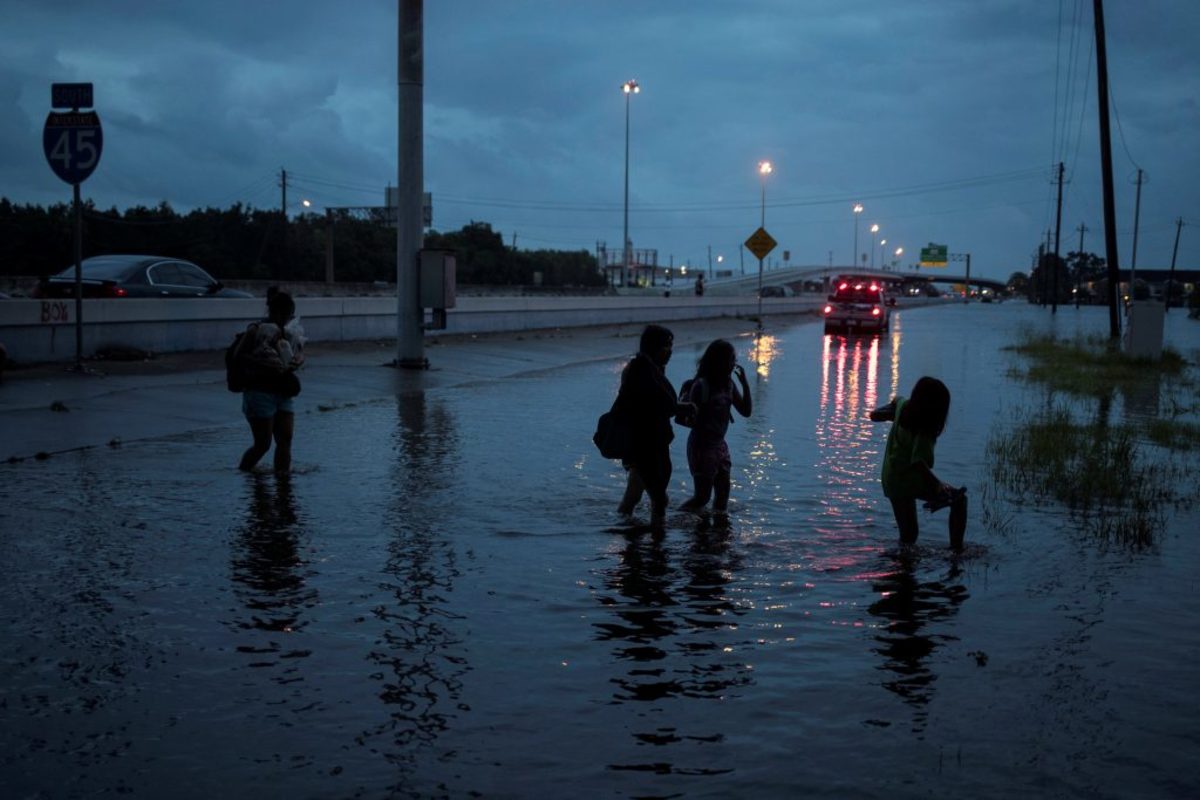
[
  {"x": 967, "y": 258},
  {"x": 72, "y": 143},
  {"x": 760, "y": 243}
]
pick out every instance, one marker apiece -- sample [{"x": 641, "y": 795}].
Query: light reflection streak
[
  {"x": 765, "y": 350},
  {"x": 848, "y": 448}
]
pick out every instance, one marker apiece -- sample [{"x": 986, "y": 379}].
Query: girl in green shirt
[{"x": 908, "y": 460}]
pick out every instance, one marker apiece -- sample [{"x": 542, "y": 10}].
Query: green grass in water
[
  {"x": 1095, "y": 470},
  {"x": 1091, "y": 366}
]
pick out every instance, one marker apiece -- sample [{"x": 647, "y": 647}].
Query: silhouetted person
[
  {"x": 649, "y": 402},
  {"x": 908, "y": 474},
  {"x": 700, "y": 285},
  {"x": 270, "y": 352},
  {"x": 714, "y": 393}
]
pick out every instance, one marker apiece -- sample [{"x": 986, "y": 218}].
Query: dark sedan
[{"x": 137, "y": 276}]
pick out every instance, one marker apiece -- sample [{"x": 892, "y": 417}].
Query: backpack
[
  {"x": 686, "y": 418},
  {"x": 235, "y": 376}
]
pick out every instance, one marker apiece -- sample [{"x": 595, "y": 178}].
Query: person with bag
[
  {"x": 647, "y": 402},
  {"x": 713, "y": 393},
  {"x": 267, "y": 357}
]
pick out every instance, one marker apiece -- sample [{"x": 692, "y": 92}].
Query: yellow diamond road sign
[{"x": 760, "y": 243}]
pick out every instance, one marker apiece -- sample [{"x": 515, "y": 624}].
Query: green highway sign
[{"x": 934, "y": 255}]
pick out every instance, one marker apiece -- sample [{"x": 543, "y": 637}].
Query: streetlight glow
[
  {"x": 631, "y": 86},
  {"x": 765, "y": 167}
]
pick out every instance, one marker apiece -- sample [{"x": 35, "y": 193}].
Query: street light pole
[
  {"x": 764, "y": 169},
  {"x": 858, "y": 209},
  {"x": 874, "y": 230},
  {"x": 882, "y": 263},
  {"x": 630, "y": 87}
]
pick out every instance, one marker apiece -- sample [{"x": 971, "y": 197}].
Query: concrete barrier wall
[{"x": 44, "y": 330}]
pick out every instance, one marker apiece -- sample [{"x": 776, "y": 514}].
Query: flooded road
[{"x": 442, "y": 601}]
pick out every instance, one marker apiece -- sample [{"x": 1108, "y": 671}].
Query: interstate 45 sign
[{"x": 72, "y": 142}]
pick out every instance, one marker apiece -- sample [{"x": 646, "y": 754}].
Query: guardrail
[{"x": 44, "y": 330}]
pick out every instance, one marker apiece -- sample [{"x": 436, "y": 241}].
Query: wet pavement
[{"x": 442, "y": 601}]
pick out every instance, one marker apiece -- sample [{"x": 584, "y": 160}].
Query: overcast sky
[{"x": 944, "y": 118}]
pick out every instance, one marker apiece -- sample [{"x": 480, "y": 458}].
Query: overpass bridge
[{"x": 795, "y": 277}]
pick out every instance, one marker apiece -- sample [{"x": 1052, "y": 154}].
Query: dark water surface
[{"x": 443, "y": 602}]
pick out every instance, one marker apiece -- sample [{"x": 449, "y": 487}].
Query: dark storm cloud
[{"x": 204, "y": 103}]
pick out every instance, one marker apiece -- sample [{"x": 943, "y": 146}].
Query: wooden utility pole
[
  {"x": 1174, "y": 252},
  {"x": 1079, "y": 263},
  {"x": 1057, "y": 239},
  {"x": 1137, "y": 213},
  {"x": 1110, "y": 210}
]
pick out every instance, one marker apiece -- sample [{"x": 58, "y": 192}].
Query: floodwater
[{"x": 442, "y": 601}]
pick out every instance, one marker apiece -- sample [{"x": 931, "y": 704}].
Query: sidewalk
[{"x": 51, "y": 409}]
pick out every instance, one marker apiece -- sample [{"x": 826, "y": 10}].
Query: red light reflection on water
[{"x": 849, "y": 448}]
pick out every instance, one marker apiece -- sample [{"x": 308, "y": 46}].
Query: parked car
[
  {"x": 777, "y": 291},
  {"x": 857, "y": 304},
  {"x": 136, "y": 276}
]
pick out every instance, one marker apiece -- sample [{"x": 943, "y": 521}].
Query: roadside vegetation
[
  {"x": 1117, "y": 477},
  {"x": 245, "y": 243}
]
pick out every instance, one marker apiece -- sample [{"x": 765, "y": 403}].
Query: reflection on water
[
  {"x": 419, "y": 652},
  {"x": 671, "y": 621},
  {"x": 848, "y": 448},
  {"x": 268, "y": 573},
  {"x": 907, "y": 639}
]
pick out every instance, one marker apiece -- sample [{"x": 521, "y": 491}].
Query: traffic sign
[
  {"x": 72, "y": 143},
  {"x": 760, "y": 243},
  {"x": 934, "y": 255},
  {"x": 71, "y": 95}
]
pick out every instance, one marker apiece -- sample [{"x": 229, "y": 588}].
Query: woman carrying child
[
  {"x": 713, "y": 392},
  {"x": 908, "y": 474},
  {"x": 269, "y": 355}
]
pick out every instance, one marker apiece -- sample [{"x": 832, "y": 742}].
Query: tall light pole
[
  {"x": 899, "y": 252},
  {"x": 858, "y": 209},
  {"x": 874, "y": 230},
  {"x": 764, "y": 169},
  {"x": 882, "y": 264},
  {"x": 630, "y": 87}
]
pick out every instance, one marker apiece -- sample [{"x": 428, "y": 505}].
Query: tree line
[{"x": 244, "y": 243}]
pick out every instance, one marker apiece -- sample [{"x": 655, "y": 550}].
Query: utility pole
[
  {"x": 1057, "y": 237},
  {"x": 410, "y": 335},
  {"x": 710, "y": 275},
  {"x": 1137, "y": 212},
  {"x": 1079, "y": 263},
  {"x": 514, "y": 244},
  {"x": 742, "y": 257},
  {"x": 1174, "y": 252},
  {"x": 275, "y": 270},
  {"x": 1110, "y": 210}
]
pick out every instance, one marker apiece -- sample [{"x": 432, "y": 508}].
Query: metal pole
[
  {"x": 1110, "y": 211},
  {"x": 854, "y": 264},
  {"x": 625, "y": 230},
  {"x": 329, "y": 245},
  {"x": 763, "y": 225},
  {"x": 410, "y": 343},
  {"x": 967, "y": 298},
  {"x": 78, "y": 280}
]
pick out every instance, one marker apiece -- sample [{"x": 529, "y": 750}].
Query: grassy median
[{"x": 1117, "y": 477}]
